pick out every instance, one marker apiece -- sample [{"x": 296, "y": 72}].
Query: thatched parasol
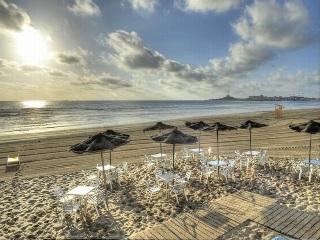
[
  {"x": 99, "y": 143},
  {"x": 311, "y": 127},
  {"x": 175, "y": 137},
  {"x": 198, "y": 126},
  {"x": 159, "y": 126},
  {"x": 249, "y": 125}
]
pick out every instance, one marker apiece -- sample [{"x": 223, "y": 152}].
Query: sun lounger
[{"x": 13, "y": 161}]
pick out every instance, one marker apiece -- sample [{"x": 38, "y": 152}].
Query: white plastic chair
[
  {"x": 70, "y": 207},
  {"x": 148, "y": 161},
  {"x": 206, "y": 172},
  {"x": 96, "y": 198},
  {"x": 152, "y": 189},
  {"x": 178, "y": 189}
]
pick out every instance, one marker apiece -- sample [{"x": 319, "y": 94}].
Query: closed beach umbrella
[
  {"x": 198, "y": 126},
  {"x": 175, "y": 137},
  {"x": 249, "y": 125},
  {"x": 160, "y": 127},
  {"x": 311, "y": 127},
  {"x": 99, "y": 143}
]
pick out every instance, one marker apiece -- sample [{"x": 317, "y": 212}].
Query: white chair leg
[
  {"x": 310, "y": 174},
  {"x": 75, "y": 218},
  {"x": 95, "y": 206},
  {"x": 185, "y": 195},
  {"x": 300, "y": 173},
  {"x": 177, "y": 199}
]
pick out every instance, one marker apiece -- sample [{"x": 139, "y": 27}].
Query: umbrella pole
[
  {"x": 161, "y": 147},
  {"x": 110, "y": 159},
  {"x": 199, "y": 141},
  {"x": 218, "y": 152},
  {"x": 250, "y": 141},
  {"x": 103, "y": 171},
  {"x": 173, "y": 156},
  {"x": 310, "y": 150}
]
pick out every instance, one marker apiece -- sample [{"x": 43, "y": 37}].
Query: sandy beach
[{"x": 29, "y": 209}]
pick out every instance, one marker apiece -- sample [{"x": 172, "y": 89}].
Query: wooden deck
[{"x": 226, "y": 213}]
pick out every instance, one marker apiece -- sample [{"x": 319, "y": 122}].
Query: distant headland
[{"x": 264, "y": 98}]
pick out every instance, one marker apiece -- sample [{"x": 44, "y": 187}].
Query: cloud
[
  {"x": 143, "y": 5},
  {"x": 57, "y": 73},
  {"x": 207, "y": 5},
  {"x": 84, "y": 8},
  {"x": 265, "y": 28},
  {"x": 75, "y": 57},
  {"x": 243, "y": 57},
  {"x": 68, "y": 58},
  {"x": 275, "y": 25},
  {"x": 131, "y": 53},
  {"x": 12, "y": 17},
  {"x": 104, "y": 80}
]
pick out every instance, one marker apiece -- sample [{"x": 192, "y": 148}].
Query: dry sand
[{"x": 28, "y": 208}]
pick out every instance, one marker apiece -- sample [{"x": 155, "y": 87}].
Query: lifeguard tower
[{"x": 278, "y": 110}]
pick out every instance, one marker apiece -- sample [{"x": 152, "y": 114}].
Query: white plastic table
[
  {"x": 80, "y": 191},
  {"x": 158, "y": 156},
  {"x": 106, "y": 167},
  {"x": 314, "y": 162},
  {"x": 167, "y": 177},
  {"x": 253, "y": 153},
  {"x": 214, "y": 163},
  {"x": 196, "y": 150}
]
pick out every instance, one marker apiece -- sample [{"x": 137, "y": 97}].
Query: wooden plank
[
  {"x": 168, "y": 233},
  {"x": 147, "y": 234},
  {"x": 312, "y": 232},
  {"x": 274, "y": 213},
  {"x": 217, "y": 229},
  {"x": 198, "y": 229},
  {"x": 273, "y": 221},
  {"x": 212, "y": 218},
  {"x": 255, "y": 198},
  {"x": 316, "y": 235},
  {"x": 266, "y": 212},
  {"x": 307, "y": 227},
  {"x": 232, "y": 214},
  {"x": 302, "y": 220},
  {"x": 285, "y": 221},
  {"x": 202, "y": 225},
  {"x": 156, "y": 231},
  {"x": 180, "y": 229},
  {"x": 297, "y": 217},
  {"x": 241, "y": 207}
]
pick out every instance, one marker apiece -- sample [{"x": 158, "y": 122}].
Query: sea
[{"x": 43, "y": 116}]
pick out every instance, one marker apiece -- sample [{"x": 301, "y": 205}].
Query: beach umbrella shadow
[
  {"x": 175, "y": 137},
  {"x": 311, "y": 127},
  {"x": 249, "y": 125},
  {"x": 160, "y": 127}
]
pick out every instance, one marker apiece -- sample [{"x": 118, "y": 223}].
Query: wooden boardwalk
[{"x": 224, "y": 214}]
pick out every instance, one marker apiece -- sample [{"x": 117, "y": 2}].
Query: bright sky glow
[{"x": 32, "y": 47}]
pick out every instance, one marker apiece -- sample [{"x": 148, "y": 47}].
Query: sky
[{"x": 158, "y": 49}]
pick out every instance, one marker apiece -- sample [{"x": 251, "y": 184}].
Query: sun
[{"x": 32, "y": 46}]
